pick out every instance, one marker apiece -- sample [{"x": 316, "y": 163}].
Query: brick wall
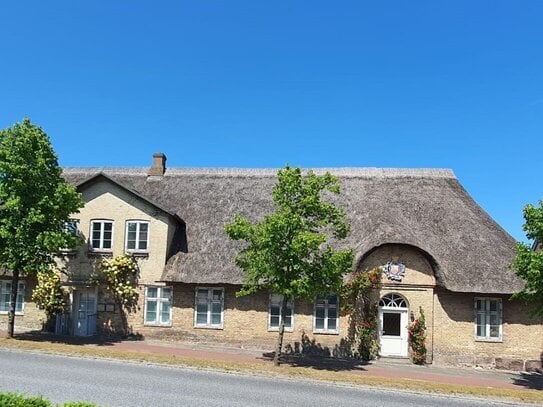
[{"x": 454, "y": 332}]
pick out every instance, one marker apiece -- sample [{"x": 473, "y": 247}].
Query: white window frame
[
  {"x": 326, "y": 307},
  {"x": 278, "y": 299},
  {"x": 138, "y": 225},
  {"x": 74, "y": 233},
  {"x": 160, "y": 300},
  {"x": 102, "y": 230},
  {"x": 210, "y": 302},
  {"x": 487, "y": 313},
  {"x": 20, "y": 296}
]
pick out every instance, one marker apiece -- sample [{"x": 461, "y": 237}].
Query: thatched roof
[{"x": 424, "y": 208}]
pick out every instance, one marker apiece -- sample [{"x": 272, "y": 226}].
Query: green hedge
[{"x": 18, "y": 400}]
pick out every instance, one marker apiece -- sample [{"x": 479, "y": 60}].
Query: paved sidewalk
[{"x": 386, "y": 368}]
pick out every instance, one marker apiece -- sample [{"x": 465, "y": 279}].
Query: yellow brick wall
[
  {"x": 104, "y": 200},
  {"x": 454, "y": 333},
  {"x": 33, "y": 318}
]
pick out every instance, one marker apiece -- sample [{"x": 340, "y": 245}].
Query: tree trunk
[
  {"x": 13, "y": 303},
  {"x": 124, "y": 318},
  {"x": 279, "y": 344}
]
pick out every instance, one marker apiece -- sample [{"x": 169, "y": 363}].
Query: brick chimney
[{"x": 159, "y": 165}]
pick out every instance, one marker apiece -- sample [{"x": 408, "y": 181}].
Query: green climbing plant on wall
[
  {"x": 417, "y": 339},
  {"x": 358, "y": 305}
]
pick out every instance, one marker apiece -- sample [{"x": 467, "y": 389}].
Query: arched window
[{"x": 393, "y": 301}]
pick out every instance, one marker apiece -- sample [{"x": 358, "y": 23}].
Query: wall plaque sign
[{"x": 394, "y": 270}]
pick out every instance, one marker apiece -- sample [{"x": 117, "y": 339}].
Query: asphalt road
[{"x": 116, "y": 383}]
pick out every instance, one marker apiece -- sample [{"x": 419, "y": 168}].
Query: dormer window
[
  {"x": 101, "y": 235},
  {"x": 137, "y": 236}
]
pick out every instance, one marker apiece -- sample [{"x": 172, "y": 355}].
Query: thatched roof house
[{"x": 424, "y": 208}]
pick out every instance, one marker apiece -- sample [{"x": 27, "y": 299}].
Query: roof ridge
[{"x": 349, "y": 172}]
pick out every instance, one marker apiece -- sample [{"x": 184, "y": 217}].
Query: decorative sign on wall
[{"x": 394, "y": 270}]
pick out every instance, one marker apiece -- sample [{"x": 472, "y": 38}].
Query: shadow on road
[
  {"x": 39, "y": 336},
  {"x": 529, "y": 380},
  {"x": 319, "y": 362}
]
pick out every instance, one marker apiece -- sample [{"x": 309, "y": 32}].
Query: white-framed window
[
  {"x": 488, "y": 319},
  {"x": 325, "y": 317},
  {"x": 158, "y": 305},
  {"x": 137, "y": 236},
  {"x": 5, "y": 297},
  {"x": 72, "y": 227},
  {"x": 101, "y": 236},
  {"x": 209, "y": 307},
  {"x": 274, "y": 313}
]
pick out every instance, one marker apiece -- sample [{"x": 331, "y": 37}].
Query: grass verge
[{"x": 285, "y": 371}]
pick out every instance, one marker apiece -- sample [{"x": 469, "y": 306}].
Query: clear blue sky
[{"x": 456, "y": 84}]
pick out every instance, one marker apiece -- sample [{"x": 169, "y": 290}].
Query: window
[
  {"x": 209, "y": 307},
  {"x": 5, "y": 297},
  {"x": 137, "y": 236},
  {"x": 101, "y": 235},
  {"x": 326, "y": 314},
  {"x": 72, "y": 227},
  {"x": 158, "y": 306},
  {"x": 274, "y": 313},
  {"x": 488, "y": 319}
]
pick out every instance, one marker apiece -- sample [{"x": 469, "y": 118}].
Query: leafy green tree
[
  {"x": 35, "y": 204},
  {"x": 528, "y": 263},
  {"x": 289, "y": 252}
]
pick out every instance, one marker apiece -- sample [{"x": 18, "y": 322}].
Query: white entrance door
[
  {"x": 393, "y": 322},
  {"x": 393, "y": 332},
  {"x": 85, "y": 312}
]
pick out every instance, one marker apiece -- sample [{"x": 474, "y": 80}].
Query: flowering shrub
[
  {"x": 357, "y": 304},
  {"x": 417, "y": 339},
  {"x": 120, "y": 277},
  {"x": 48, "y": 294}
]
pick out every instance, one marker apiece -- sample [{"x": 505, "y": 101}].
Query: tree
[
  {"x": 528, "y": 263},
  {"x": 288, "y": 252},
  {"x": 35, "y": 204}
]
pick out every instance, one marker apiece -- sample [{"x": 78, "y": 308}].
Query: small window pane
[
  {"x": 167, "y": 292},
  {"x": 217, "y": 295},
  {"x": 319, "y": 312},
  {"x": 215, "y": 319},
  {"x": 274, "y": 321},
  {"x": 152, "y": 292},
  {"x": 319, "y": 323},
  {"x": 493, "y": 306},
  {"x": 165, "y": 314},
  {"x": 288, "y": 321},
  {"x": 331, "y": 324},
  {"x": 201, "y": 318},
  {"x": 216, "y": 308},
  {"x": 332, "y": 299}
]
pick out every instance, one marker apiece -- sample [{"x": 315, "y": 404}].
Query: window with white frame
[
  {"x": 72, "y": 227},
  {"x": 274, "y": 313},
  {"x": 137, "y": 236},
  {"x": 158, "y": 305},
  {"x": 5, "y": 297},
  {"x": 101, "y": 235},
  {"x": 208, "y": 312},
  {"x": 488, "y": 319},
  {"x": 326, "y": 314}
]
